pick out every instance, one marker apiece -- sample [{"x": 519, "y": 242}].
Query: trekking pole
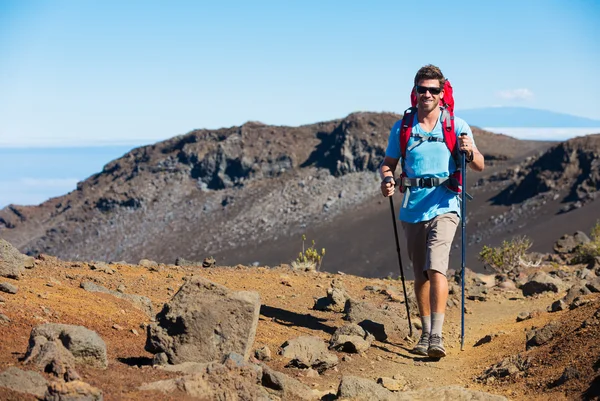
[
  {"x": 463, "y": 218},
  {"x": 410, "y": 330}
]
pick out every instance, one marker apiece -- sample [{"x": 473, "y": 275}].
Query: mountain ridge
[{"x": 250, "y": 191}]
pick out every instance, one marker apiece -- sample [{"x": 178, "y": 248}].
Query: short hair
[{"x": 430, "y": 71}]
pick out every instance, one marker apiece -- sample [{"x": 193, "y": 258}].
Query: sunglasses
[{"x": 423, "y": 89}]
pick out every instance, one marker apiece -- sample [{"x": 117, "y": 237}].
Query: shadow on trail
[
  {"x": 410, "y": 356},
  {"x": 289, "y": 318},
  {"x": 136, "y": 361}
]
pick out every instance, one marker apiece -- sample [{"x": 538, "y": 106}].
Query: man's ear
[{"x": 441, "y": 95}]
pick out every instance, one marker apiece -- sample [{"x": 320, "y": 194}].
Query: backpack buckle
[{"x": 427, "y": 182}]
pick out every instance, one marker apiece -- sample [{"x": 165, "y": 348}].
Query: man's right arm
[{"x": 387, "y": 169}]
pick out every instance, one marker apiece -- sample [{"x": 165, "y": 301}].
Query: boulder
[
  {"x": 308, "y": 352},
  {"x": 383, "y": 324},
  {"x": 537, "y": 337},
  {"x": 12, "y": 262},
  {"x": 72, "y": 391},
  {"x": 52, "y": 357},
  {"x": 541, "y": 282},
  {"x": 569, "y": 243},
  {"x": 285, "y": 386},
  {"x": 85, "y": 345},
  {"x": 203, "y": 322},
  {"x": 216, "y": 381},
  {"x": 23, "y": 381},
  {"x": 361, "y": 389},
  {"x": 335, "y": 300},
  {"x": 351, "y": 338}
]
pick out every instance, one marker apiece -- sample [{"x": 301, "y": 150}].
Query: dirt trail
[{"x": 51, "y": 293}]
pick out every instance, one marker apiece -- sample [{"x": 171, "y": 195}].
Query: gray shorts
[{"x": 429, "y": 243}]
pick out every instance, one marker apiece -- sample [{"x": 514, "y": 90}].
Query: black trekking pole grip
[
  {"x": 463, "y": 219},
  {"x": 410, "y": 329}
]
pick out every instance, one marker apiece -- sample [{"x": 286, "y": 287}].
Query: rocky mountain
[{"x": 245, "y": 194}]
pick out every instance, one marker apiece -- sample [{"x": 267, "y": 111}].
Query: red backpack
[{"x": 454, "y": 182}]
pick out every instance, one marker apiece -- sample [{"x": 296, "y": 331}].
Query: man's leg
[
  {"x": 416, "y": 240},
  {"x": 440, "y": 238}
]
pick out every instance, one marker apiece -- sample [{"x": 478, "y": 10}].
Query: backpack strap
[
  {"x": 406, "y": 131},
  {"x": 450, "y": 134}
]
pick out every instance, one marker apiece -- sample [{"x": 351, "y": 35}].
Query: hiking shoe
[
  {"x": 436, "y": 347},
  {"x": 422, "y": 346}
]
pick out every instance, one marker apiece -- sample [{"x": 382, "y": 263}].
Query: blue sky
[
  {"x": 128, "y": 73},
  {"x": 133, "y": 72}
]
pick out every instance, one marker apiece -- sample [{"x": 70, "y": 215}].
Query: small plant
[
  {"x": 508, "y": 257},
  {"x": 309, "y": 258},
  {"x": 586, "y": 253}
]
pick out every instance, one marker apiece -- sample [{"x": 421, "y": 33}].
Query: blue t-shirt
[{"x": 428, "y": 159}]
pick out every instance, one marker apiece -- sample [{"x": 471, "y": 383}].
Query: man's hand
[
  {"x": 388, "y": 186},
  {"x": 465, "y": 145}
]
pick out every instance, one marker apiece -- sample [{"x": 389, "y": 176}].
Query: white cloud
[{"x": 515, "y": 94}]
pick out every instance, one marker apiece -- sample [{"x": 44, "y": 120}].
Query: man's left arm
[
  {"x": 474, "y": 157},
  {"x": 467, "y": 144}
]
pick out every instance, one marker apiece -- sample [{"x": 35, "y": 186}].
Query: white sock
[
  {"x": 437, "y": 321},
  {"x": 426, "y": 323}
]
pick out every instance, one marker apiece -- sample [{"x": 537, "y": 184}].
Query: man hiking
[{"x": 431, "y": 181}]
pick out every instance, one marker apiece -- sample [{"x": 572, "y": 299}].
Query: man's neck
[{"x": 430, "y": 118}]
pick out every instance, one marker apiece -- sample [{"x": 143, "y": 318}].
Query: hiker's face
[{"x": 428, "y": 101}]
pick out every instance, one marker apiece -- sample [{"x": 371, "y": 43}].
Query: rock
[
  {"x": 528, "y": 315},
  {"x": 351, "y": 338},
  {"x": 216, "y": 381},
  {"x": 512, "y": 366},
  {"x": 12, "y": 262},
  {"x": 577, "y": 302},
  {"x": 228, "y": 323},
  {"x": 541, "y": 336},
  {"x": 51, "y": 357},
  {"x": 102, "y": 267},
  {"x": 541, "y": 282},
  {"x": 148, "y": 264},
  {"x": 209, "y": 262},
  {"x": 391, "y": 384},
  {"x": 8, "y": 288},
  {"x": 594, "y": 285},
  {"x": 576, "y": 291},
  {"x": 160, "y": 359},
  {"x": 507, "y": 285},
  {"x": 138, "y": 301},
  {"x": 569, "y": 243},
  {"x": 22, "y": 381},
  {"x": 478, "y": 293},
  {"x": 335, "y": 300},
  {"x": 308, "y": 352},
  {"x": 86, "y": 345},
  {"x": 263, "y": 353},
  {"x": 286, "y": 387},
  {"x": 557, "y": 306},
  {"x": 72, "y": 391},
  {"x": 360, "y": 389},
  {"x": 4, "y": 319},
  {"x": 383, "y": 324}
]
